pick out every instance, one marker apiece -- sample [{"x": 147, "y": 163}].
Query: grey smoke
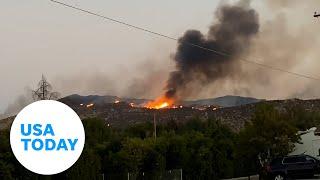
[
  {"x": 288, "y": 38},
  {"x": 232, "y": 34},
  {"x": 18, "y": 103}
]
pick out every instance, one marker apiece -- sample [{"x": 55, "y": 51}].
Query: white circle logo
[{"x": 47, "y": 137}]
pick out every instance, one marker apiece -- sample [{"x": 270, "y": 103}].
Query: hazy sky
[
  {"x": 75, "y": 50},
  {"x": 38, "y": 37}
]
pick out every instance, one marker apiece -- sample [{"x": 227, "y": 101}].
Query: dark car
[{"x": 293, "y": 166}]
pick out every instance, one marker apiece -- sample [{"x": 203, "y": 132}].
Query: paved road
[
  {"x": 256, "y": 177},
  {"x": 315, "y": 177}
]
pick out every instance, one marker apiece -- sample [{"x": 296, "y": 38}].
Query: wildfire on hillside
[
  {"x": 160, "y": 103},
  {"x": 90, "y": 105}
]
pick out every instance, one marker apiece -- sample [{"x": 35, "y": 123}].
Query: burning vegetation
[
  {"x": 90, "y": 105},
  {"x": 161, "y": 102},
  {"x": 196, "y": 67}
]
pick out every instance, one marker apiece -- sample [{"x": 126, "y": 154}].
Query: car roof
[
  {"x": 292, "y": 156},
  {"x": 298, "y": 155},
  {"x": 289, "y": 156}
]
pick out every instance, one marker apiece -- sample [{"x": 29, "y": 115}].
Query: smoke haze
[
  {"x": 107, "y": 59},
  {"x": 286, "y": 40},
  {"x": 196, "y": 67}
]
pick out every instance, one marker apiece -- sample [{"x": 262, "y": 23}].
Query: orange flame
[
  {"x": 159, "y": 103},
  {"x": 90, "y": 105}
]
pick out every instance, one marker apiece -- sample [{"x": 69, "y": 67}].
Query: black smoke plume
[{"x": 235, "y": 27}]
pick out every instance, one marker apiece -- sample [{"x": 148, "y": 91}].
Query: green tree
[{"x": 269, "y": 134}]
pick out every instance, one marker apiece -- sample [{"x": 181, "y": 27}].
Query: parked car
[{"x": 292, "y": 167}]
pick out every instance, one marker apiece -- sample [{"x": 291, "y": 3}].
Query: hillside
[
  {"x": 123, "y": 114},
  {"x": 6, "y": 123},
  {"x": 224, "y": 101},
  {"x": 76, "y": 99}
]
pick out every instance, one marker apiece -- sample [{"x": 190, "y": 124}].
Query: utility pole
[{"x": 154, "y": 125}]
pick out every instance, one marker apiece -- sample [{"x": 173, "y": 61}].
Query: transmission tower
[{"x": 44, "y": 91}]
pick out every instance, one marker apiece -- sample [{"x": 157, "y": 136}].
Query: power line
[{"x": 188, "y": 43}]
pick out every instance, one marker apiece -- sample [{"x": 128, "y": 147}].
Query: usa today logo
[{"x": 47, "y": 137}]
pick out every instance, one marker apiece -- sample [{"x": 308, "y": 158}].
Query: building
[{"x": 310, "y": 143}]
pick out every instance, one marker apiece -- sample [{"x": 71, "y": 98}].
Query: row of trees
[{"x": 203, "y": 149}]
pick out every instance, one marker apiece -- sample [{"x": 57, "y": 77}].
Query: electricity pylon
[{"x": 44, "y": 91}]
